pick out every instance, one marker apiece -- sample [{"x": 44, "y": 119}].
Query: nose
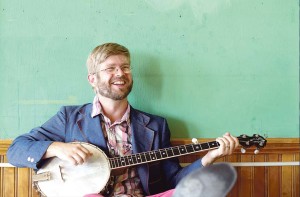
[{"x": 119, "y": 72}]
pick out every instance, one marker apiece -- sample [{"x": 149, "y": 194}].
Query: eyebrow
[{"x": 115, "y": 64}]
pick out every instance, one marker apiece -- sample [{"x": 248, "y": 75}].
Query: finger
[
  {"x": 231, "y": 143},
  {"x": 83, "y": 155},
  {"x": 78, "y": 159},
  {"x": 71, "y": 160},
  {"x": 79, "y": 147},
  {"x": 223, "y": 144},
  {"x": 82, "y": 152},
  {"x": 237, "y": 143},
  {"x": 235, "y": 140},
  {"x": 85, "y": 150}
]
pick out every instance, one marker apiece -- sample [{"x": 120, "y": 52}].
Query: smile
[{"x": 118, "y": 82}]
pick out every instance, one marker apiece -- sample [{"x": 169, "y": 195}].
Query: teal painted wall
[{"x": 207, "y": 66}]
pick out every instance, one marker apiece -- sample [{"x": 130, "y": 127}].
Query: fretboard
[{"x": 160, "y": 154}]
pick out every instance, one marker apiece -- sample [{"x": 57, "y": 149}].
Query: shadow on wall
[
  {"x": 148, "y": 89},
  {"x": 179, "y": 126},
  {"x": 147, "y": 82}
]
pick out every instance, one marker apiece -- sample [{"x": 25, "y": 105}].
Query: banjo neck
[
  {"x": 160, "y": 154},
  {"x": 176, "y": 151}
]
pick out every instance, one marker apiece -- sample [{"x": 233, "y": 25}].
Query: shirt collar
[{"x": 97, "y": 110}]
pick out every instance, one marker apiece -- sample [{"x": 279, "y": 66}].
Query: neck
[{"x": 113, "y": 109}]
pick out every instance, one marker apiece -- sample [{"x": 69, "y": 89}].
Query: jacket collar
[
  {"x": 91, "y": 127},
  {"x": 142, "y": 136}
]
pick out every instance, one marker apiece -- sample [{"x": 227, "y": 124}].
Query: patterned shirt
[{"x": 118, "y": 137}]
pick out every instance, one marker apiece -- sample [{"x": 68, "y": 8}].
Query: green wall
[{"x": 207, "y": 66}]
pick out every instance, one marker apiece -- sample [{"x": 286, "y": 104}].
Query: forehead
[{"x": 116, "y": 60}]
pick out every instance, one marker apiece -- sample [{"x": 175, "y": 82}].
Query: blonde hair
[{"x": 102, "y": 52}]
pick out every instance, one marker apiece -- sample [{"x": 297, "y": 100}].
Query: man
[{"x": 114, "y": 126}]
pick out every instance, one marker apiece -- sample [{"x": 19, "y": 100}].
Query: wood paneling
[
  {"x": 262, "y": 181},
  {"x": 14, "y": 182},
  {"x": 259, "y": 181}
]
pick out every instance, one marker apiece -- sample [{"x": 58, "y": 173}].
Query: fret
[
  {"x": 118, "y": 162},
  {"x": 152, "y": 154},
  {"x": 122, "y": 160},
  {"x": 176, "y": 150},
  {"x": 197, "y": 147},
  {"x": 213, "y": 144},
  {"x": 189, "y": 148},
  {"x": 139, "y": 158},
  {"x": 126, "y": 161},
  {"x": 115, "y": 163},
  {"x": 129, "y": 158},
  {"x": 148, "y": 156},
  {"x": 170, "y": 152},
  {"x": 204, "y": 146},
  {"x": 163, "y": 153},
  {"x": 112, "y": 163},
  {"x": 143, "y": 157},
  {"x": 157, "y": 154},
  {"x": 182, "y": 149},
  {"x": 134, "y": 159}
]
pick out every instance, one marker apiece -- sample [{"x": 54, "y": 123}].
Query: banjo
[{"x": 59, "y": 178}]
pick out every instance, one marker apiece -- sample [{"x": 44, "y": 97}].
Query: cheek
[
  {"x": 100, "y": 79},
  {"x": 130, "y": 77}
]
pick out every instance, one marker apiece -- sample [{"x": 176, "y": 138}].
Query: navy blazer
[{"x": 74, "y": 123}]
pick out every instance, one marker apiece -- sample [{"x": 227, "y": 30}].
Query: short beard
[{"x": 108, "y": 93}]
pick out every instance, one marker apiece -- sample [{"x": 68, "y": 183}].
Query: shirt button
[
  {"x": 32, "y": 160},
  {"x": 28, "y": 159}
]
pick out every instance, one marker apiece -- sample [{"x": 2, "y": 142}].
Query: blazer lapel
[
  {"x": 142, "y": 140},
  {"x": 91, "y": 128},
  {"x": 142, "y": 137}
]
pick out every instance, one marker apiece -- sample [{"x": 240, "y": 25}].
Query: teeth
[{"x": 119, "y": 82}]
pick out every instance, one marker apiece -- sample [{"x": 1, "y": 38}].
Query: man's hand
[
  {"x": 73, "y": 153},
  {"x": 227, "y": 145}
]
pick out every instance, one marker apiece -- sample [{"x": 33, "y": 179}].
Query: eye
[
  {"x": 126, "y": 68},
  {"x": 110, "y": 69}
]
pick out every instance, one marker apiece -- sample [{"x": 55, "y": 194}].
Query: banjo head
[{"x": 69, "y": 180}]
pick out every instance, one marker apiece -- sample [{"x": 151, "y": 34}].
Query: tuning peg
[
  {"x": 261, "y": 144},
  {"x": 243, "y": 150},
  {"x": 195, "y": 141},
  {"x": 256, "y": 151}
]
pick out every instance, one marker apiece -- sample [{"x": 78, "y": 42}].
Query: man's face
[{"x": 113, "y": 78}]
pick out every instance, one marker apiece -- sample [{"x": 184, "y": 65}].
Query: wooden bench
[{"x": 271, "y": 173}]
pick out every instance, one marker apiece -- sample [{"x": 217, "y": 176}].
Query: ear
[{"x": 92, "y": 79}]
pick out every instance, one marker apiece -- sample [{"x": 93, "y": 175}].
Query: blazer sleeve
[{"x": 28, "y": 149}]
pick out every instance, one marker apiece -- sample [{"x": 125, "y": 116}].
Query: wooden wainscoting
[
  {"x": 14, "y": 182},
  {"x": 262, "y": 181},
  {"x": 252, "y": 181}
]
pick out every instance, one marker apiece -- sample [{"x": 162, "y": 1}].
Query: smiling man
[{"x": 114, "y": 126}]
